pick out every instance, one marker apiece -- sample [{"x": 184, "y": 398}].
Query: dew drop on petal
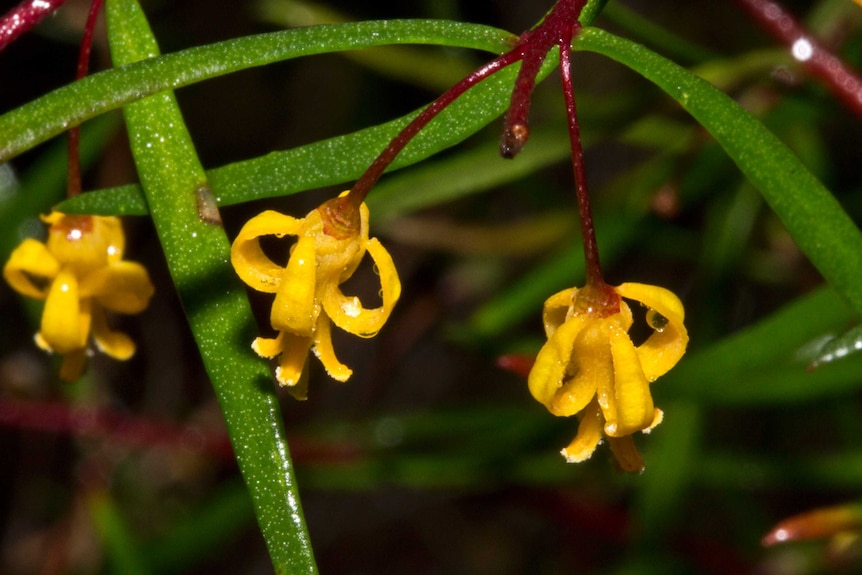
[{"x": 656, "y": 321}]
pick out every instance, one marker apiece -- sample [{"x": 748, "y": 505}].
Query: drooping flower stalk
[
  {"x": 73, "y": 180},
  {"x": 591, "y": 249},
  {"x": 556, "y": 29},
  {"x": 364, "y": 184}
]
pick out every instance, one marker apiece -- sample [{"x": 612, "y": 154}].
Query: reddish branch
[
  {"x": 372, "y": 174},
  {"x": 23, "y": 17},
  {"x": 820, "y": 62},
  {"x": 137, "y": 432},
  {"x": 556, "y": 30},
  {"x": 73, "y": 181},
  {"x": 110, "y": 424}
]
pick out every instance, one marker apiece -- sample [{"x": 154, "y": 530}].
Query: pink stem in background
[
  {"x": 23, "y": 17},
  {"x": 73, "y": 181},
  {"x": 110, "y": 424},
  {"x": 138, "y": 432},
  {"x": 820, "y": 62}
]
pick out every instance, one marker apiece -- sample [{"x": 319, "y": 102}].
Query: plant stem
[
  {"x": 559, "y": 23},
  {"x": 111, "y": 425},
  {"x": 364, "y": 184},
  {"x": 23, "y": 17},
  {"x": 73, "y": 181},
  {"x": 823, "y": 64},
  {"x": 591, "y": 249}
]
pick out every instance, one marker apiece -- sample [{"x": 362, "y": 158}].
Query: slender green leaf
[
  {"x": 651, "y": 33},
  {"x": 223, "y": 518},
  {"x": 403, "y": 63},
  {"x": 50, "y": 115},
  {"x": 328, "y": 162},
  {"x": 839, "y": 347},
  {"x": 123, "y": 552},
  {"x": 197, "y": 251},
  {"x": 766, "y": 363},
  {"x": 671, "y": 456}
]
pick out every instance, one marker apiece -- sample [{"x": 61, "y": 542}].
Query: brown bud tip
[
  {"x": 513, "y": 140},
  {"x": 517, "y": 363},
  {"x": 816, "y": 524}
]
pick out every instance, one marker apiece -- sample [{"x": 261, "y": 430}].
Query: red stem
[
  {"x": 375, "y": 170},
  {"x": 23, "y": 17},
  {"x": 73, "y": 180},
  {"x": 562, "y": 19},
  {"x": 845, "y": 82},
  {"x": 588, "y": 230},
  {"x": 517, "y": 127}
]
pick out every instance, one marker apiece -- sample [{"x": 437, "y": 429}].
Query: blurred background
[{"x": 433, "y": 459}]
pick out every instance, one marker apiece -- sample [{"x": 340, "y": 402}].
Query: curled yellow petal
[
  {"x": 347, "y": 312},
  {"x": 113, "y": 343},
  {"x": 667, "y": 344},
  {"x": 634, "y": 405},
  {"x": 553, "y": 366},
  {"x": 596, "y": 367},
  {"x": 251, "y": 264},
  {"x": 65, "y": 321},
  {"x": 30, "y": 269},
  {"x": 588, "y": 437},
  {"x": 294, "y": 352},
  {"x": 556, "y": 310},
  {"x": 295, "y": 308},
  {"x": 326, "y": 353},
  {"x": 122, "y": 287},
  {"x": 268, "y": 347}
]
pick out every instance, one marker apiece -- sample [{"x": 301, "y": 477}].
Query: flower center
[
  {"x": 340, "y": 218},
  {"x": 596, "y": 300},
  {"x": 74, "y": 228}
]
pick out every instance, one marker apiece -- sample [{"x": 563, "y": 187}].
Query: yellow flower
[
  {"x": 331, "y": 242},
  {"x": 79, "y": 273},
  {"x": 589, "y": 365}
]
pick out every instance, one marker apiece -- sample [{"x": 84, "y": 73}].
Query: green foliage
[{"x": 773, "y": 341}]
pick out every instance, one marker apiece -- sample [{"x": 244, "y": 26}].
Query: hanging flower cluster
[
  {"x": 331, "y": 242},
  {"x": 80, "y": 272},
  {"x": 590, "y": 367}
]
